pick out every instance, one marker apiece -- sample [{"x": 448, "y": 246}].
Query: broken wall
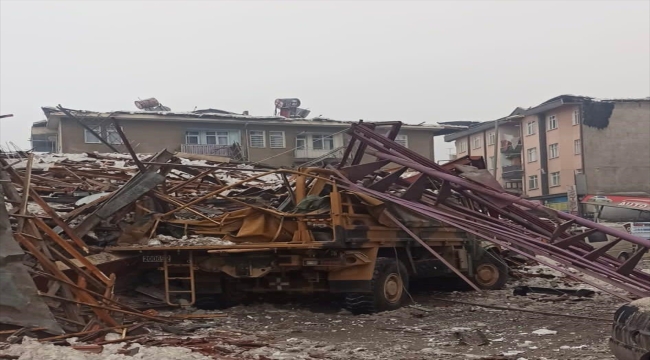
[{"x": 617, "y": 151}]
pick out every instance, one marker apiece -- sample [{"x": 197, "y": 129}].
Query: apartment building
[
  {"x": 274, "y": 140},
  {"x": 580, "y": 145},
  {"x": 567, "y": 148},
  {"x": 499, "y": 143}
]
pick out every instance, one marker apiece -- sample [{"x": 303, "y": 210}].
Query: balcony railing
[
  {"x": 232, "y": 151},
  {"x": 311, "y": 153},
  {"x": 511, "y": 147},
  {"x": 512, "y": 172}
]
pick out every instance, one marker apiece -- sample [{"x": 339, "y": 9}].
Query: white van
[{"x": 622, "y": 250}]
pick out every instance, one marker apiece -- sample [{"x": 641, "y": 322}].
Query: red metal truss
[{"x": 462, "y": 196}]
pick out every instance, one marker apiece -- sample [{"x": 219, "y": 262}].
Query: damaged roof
[
  {"x": 547, "y": 105},
  {"x": 574, "y": 100},
  {"x": 54, "y": 114}
]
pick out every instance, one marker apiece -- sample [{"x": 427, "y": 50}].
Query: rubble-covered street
[{"x": 308, "y": 328}]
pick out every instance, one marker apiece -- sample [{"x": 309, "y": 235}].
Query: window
[
  {"x": 491, "y": 138},
  {"x": 322, "y": 142},
  {"x": 532, "y": 182},
  {"x": 555, "y": 179},
  {"x": 216, "y": 138},
  {"x": 211, "y": 137},
  {"x": 551, "y": 123},
  {"x": 192, "y": 137},
  {"x": 276, "y": 140},
  {"x": 300, "y": 142},
  {"x": 89, "y": 138},
  {"x": 576, "y": 117},
  {"x": 531, "y": 128},
  {"x": 491, "y": 163},
  {"x": 577, "y": 147},
  {"x": 462, "y": 147},
  {"x": 476, "y": 142},
  {"x": 256, "y": 138},
  {"x": 112, "y": 135},
  {"x": 402, "y": 140},
  {"x": 532, "y": 154},
  {"x": 553, "y": 151},
  {"x": 513, "y": 185}
]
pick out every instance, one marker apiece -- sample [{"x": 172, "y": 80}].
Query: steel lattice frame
[{"x": 473, "y": 202}]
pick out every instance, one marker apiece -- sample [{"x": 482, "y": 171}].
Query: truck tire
[
  {"x": 388, "y": 289},
  {"x": 630, "y": 338},
  {"x": 490, "y": 272}
]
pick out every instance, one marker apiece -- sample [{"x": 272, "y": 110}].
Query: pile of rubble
[{"x": 65, "y": 210}]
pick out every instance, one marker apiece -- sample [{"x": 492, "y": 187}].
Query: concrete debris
[
  {"x": 151, "y": 256},
  {"x": 544, "y": 332}
]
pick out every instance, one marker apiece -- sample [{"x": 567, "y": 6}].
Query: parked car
[{"x": 622, "y": 250}]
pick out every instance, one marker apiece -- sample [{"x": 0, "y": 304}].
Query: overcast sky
[{"x": 377, "y": 61}]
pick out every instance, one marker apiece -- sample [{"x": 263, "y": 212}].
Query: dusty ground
[
  {"x": 317, "y": 328},
  {"x": 431, "y": 329}
]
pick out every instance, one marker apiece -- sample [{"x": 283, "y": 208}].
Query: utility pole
[{"x": 496, "y": 146}]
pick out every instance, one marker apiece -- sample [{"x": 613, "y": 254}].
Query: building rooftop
[
  {"x": 519, "y": 113},
  {"x": 573, "y": 100},
  {"x": 210, "y": 115},
  {"x": 480, "y": 127}
]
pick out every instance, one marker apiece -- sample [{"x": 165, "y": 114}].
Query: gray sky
[{"x": 379, "y": 61}]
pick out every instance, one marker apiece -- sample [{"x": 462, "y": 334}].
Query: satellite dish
[{"x": 303, "y": 113}]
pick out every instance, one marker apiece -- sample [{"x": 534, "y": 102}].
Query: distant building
[
  {"x": 502, "y": 153},
  {"x": 598, "y": 146},
  {"x": 274, "y": 140},
  {"x": 42, "y": 138},
  {"x": 567, "y": 145}
]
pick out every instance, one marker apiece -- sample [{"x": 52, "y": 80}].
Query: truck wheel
[
  {"x": 388, "y": 289},
  {"x": 631, "y": 331},
  {"x": 490, "y": 272}
]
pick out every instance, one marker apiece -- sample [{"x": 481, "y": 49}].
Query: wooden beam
[
  {"x": 54, "y": 270},
  {"x": 70, "y": 250},
  {"x": 128, "y": 146},
  {"x": 25, "y": 199}
]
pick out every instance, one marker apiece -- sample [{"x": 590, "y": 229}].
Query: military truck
[{"x": 321, "y": 237}]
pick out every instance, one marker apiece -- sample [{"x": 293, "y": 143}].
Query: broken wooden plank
[
  {"x": 25, "y": 198},
  {"x": 54, "y": 270},
  {"x": 70, "y": 250}
]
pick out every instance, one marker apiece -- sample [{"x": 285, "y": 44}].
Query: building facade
[
  {"x": 569, "y": 147},
  {"x": 586, "y": 146},
  {"x": 272, "y": 140},
  {"x": 499, "y": 143}
]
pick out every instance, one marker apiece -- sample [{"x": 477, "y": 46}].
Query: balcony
[
  {"x": 311, "y": 153},
  {"x": 232, "y": 151},
  {"x": 512, "y": 172},
  {"x": 511, "y": 148}
]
